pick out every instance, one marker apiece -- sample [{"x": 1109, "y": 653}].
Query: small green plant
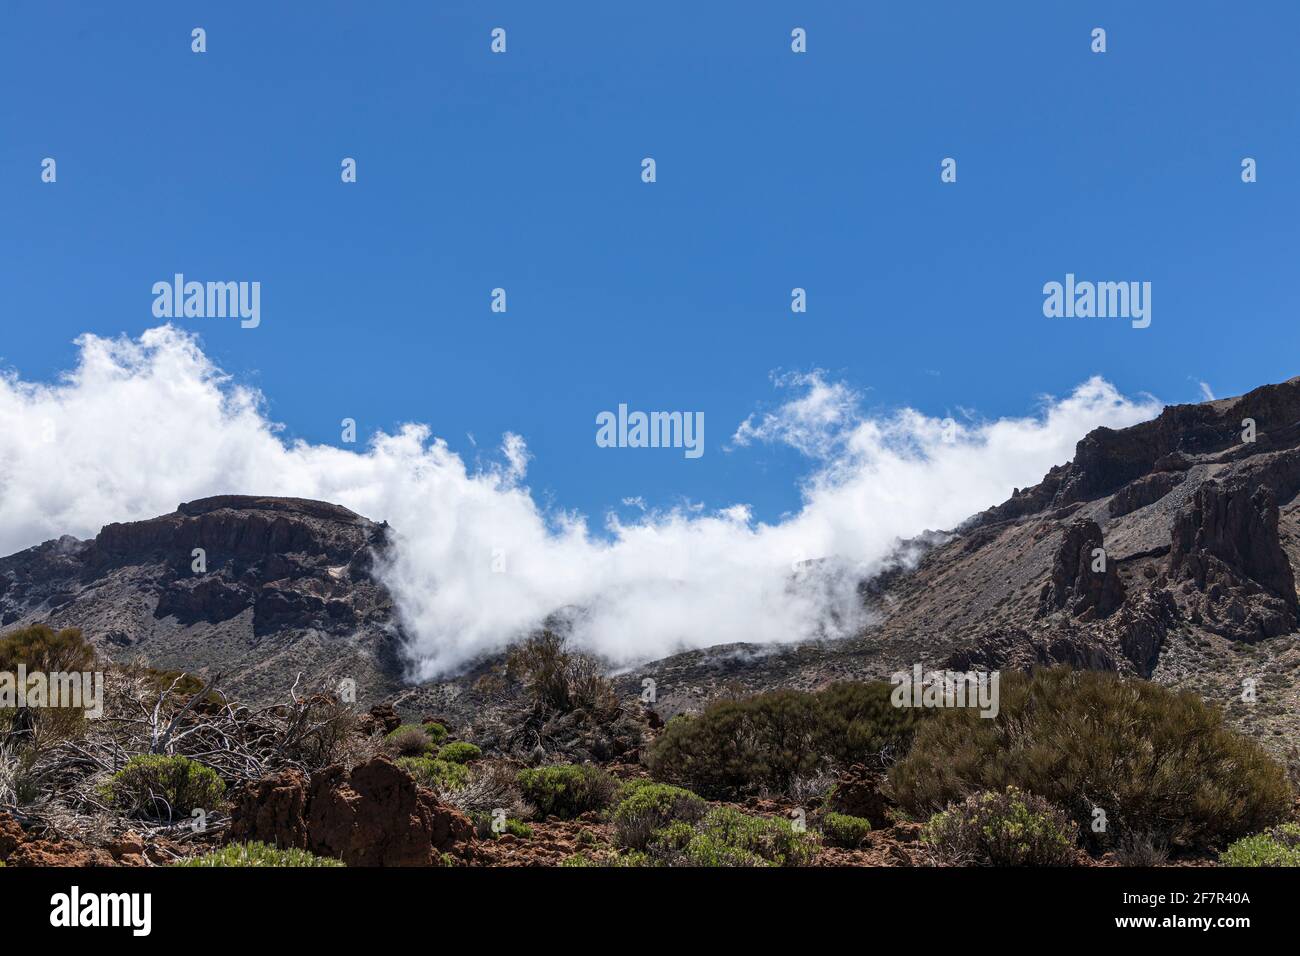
[
  {"x": 566, "y": 790},
  {"x": 1279, "y": 846},
  {"x": 725, "y": 836},
  {"x": 646, "y": 808},
  {"x": 163, "y": 787},
  {"x": 439, "y": 775},
  {"x": 459, "y": 752},
  {"x": 772, "y": 839},
  {"x": 518, "y": 828},
  {"x": 435, "y": 731},
  {"x": 257, "y": 854},
  {"x": 1010, "y": 828},
  {"x": 409, "y": 740},
  {"x": 840, "y": 829}
]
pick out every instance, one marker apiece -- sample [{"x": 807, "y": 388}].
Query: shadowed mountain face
[
  {"x": 1164, "y": 550},
  {"x": 285, "y": 587}
]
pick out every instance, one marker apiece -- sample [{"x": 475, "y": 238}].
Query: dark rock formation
[
  {"x": 1230, "y": 536},
  {"x": 1073, "y": 583},
  {"x": 1020, "y": 649},
  {"x": 1142, "y": 625},
  {"x": 1144, "y": 491}
]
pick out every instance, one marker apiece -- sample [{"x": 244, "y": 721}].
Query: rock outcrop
[
  {"x": 374, "y": 815},
  {"x": 1083, "y": 580}
]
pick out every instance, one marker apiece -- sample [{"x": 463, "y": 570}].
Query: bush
[
  {"x": 257, "y": 854},
  {"x": 724, "y": 836},
  {"x": 1156, "y": 762},
  {"x": 566, "y": 790},
  {"x": 840, "y": 829},
  {"x": 777, "y": 739},
  {"x": 1011, "y": 828},
  {"x": 162, "y": 787},
  {"x": 1280, "y": 846},
  {"x": 630, "y": 859},
  {"x": 558, "y": 680},
  {"x": 491, "y": 785},
  {"x": 648, "y": 807},
  {"x": 435, "y": 731},
  {"x": 409, "y": 740},
  {"x": 40, "y": 648},
  {"x": 518, "y": 828},
  {"x": 459, "y": 752},
  {"x": 440, "y": 776}
]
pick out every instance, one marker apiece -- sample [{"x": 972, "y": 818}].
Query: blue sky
[{"x": 775, "y": 170}]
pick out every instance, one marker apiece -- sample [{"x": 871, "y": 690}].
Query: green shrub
[
  {"x": 41, "y": 648},
  {"x": 459, "y": 752},
  {"x": 629, "y": 859},
  {"x": 727, "y": 837},
  {"x": 435, "y": 731},
  {"x": 773, "y": 739},
  {"x": 649, "y": 807},
  {"x": 1011, "y": 828},
  {"x": 164, "y": 788},
  {"x": 409, "y": 740},
  {"x": 257, "y": 854},
  {"x": 1280, "y": 846},
  {"x": 1156, "y": 762},
  {"x": 670, "y": 842},
  {"x": 772, "y": 839},
  {"x": 438, "y": 775},
  {"x": 840, "y": 829},
  {"x": 566, "y": 790},
  {"x": 859, "y": 724},
  {"x": 518, "y": 828}
]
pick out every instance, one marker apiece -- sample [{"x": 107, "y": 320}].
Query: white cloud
[
  {"x": 1207, "y": 393},
  {"x": 141, "y": 425},
  {"x": 814, "y": 423}
]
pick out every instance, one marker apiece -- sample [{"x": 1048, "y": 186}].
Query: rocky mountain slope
[{"x": 287, "y": 588}]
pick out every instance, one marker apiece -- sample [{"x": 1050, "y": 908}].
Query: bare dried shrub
[
  {"x": 409, "y": 740},
  {"x": 491, "y": 787},
  {"x": 558, "y": 679},
  {"x": 1142, "y": 849}
]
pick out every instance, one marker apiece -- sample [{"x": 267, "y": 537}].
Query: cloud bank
[{"x": 140, "y": 425}]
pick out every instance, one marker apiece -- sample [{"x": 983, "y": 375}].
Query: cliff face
[{"x": 284, "y": 586}]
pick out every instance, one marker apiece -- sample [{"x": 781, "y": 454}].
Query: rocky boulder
[{"x": 373, "y": 815}]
